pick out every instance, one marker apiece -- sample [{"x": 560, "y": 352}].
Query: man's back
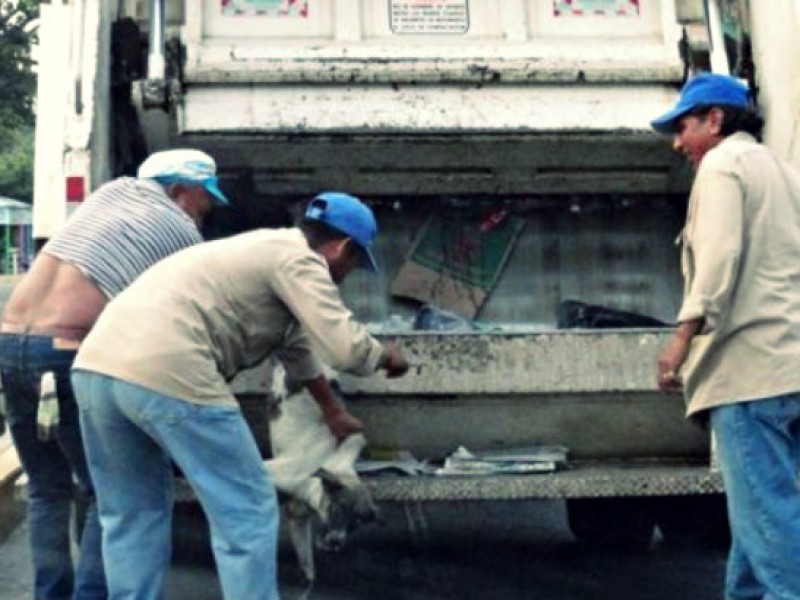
[
  {"x": 56, "y": 298},
  {"x": 125, "y": 226},
  {"x": 221, "y": 307},
  {"x": 742, "y": 258}
]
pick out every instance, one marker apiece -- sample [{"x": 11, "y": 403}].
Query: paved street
[{"x": 498, "y": 551}]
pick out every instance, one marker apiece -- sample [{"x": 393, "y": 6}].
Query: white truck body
[{"x": 535, "y": 106}]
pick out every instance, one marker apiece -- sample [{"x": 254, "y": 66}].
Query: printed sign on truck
[
  {"x": 428, "y": 17},
  {"x": 265, "y": 8}
]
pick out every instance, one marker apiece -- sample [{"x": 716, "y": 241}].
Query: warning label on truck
[
  {"x": 446, "y": 17},
  {"x": 602, "y": 8}
]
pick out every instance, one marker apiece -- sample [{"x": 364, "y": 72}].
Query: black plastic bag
[{"x": 573, "y": 314}]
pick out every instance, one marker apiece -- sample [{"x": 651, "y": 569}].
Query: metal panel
[
  {"x": 600, "y": 481},
  {"x": 583, "y": 481},
  {"x": 553, "y": 362},
  {"x": 421, "y": 108},
  {"x": 591, "y": 425},
  {"x": 395, "y": 164},
  {"x": 591, "y": 391}
]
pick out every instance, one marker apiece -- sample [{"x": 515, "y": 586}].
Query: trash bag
[
  {"x": 573, "y": 314},
  {"x": 433, "y": 318}
]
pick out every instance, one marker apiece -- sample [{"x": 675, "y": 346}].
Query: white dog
[{"x": 326, "y": 497}]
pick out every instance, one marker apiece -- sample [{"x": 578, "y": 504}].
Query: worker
[
  {"x": 179, "y": 334},
  {"x": 121, "y": 229},
  {"x": 736, "y": 349}
]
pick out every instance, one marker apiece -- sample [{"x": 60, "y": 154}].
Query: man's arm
[
  {"x": 715, "y": 232},
  {"x": 716, "y": 227},
  {"x": 304, "y": 285},
  {"x": 341, "y": 423},
  {"x": 673, "y": 355}
]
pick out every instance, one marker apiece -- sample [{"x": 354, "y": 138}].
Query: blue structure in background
[{"x": 16, "y": 253}]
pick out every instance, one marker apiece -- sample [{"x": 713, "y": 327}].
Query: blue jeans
[
  {"x": 53, "y": 467},
  {"x": 758, "y": 447},
  {"x": 131, "y": 434}
]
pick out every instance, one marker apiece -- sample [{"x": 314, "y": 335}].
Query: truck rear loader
[{"x": 506, "y": 151}]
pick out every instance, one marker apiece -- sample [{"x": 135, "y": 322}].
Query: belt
[{"x": 64, "y": 338}]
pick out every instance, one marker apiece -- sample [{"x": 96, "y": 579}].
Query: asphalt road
[{"x": 497, "y": 551}]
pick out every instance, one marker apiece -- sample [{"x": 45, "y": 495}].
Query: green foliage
[
  {"x": 16, "y": 164},
  {"x": 18, "y": 20},
  {"x": 17, "y": 78}
]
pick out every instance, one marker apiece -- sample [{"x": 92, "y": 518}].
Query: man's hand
[
  {"x": 393, "y": 361},
  {"x": 342, "y": 424},
  {"x": 672, "y": 357},
  {"x": 339, "y": 421},
  {"x": 674, "y": 354}
]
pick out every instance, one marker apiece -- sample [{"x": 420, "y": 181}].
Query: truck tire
[
  {"x": 619, "y": 523},
  {"x": 694, "y": 521}
]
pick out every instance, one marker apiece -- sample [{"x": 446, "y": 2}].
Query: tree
[
  {"x": 16, "y": 163},
  {"x": 18, "y": 88},
  {"x": 17, "y": 78}
]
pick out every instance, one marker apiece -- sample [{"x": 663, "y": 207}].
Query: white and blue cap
[
  {"x": 192, "y": 167},
  {"x": 705, "y": 89},
  {"x": 349, "y": 215}
]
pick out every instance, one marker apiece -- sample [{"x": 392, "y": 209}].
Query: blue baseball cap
[
  {"x": 352, "y": 217},
  {"x": 191, "y": 167},
  {"x": 705, "y": 89}
]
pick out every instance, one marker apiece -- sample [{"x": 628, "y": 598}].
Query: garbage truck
[{"x": 527, "y": 212}]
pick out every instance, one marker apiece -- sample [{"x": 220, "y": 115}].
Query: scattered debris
[{"x": 535, "y": 459}]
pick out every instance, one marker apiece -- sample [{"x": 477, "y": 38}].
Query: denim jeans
[
  {"x": 53, "y": 467},
  {"x": 131, "y": 435},
  {"x": 758, "y": 447}
]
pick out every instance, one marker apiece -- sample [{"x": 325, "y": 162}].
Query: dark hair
[
  {"x": 318, "y": 233},
  {"x": 735, "y": 119}
]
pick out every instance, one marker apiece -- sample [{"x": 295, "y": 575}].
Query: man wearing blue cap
[
  {"x": 122, "y": 228},
  {"x": 201, "y": 316},
  {"x": 736, "y": 351}
]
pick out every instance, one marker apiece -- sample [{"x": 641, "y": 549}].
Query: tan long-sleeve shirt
[
  {"x": 193, "y": 321},
  {"x": 741, "y": 265}
]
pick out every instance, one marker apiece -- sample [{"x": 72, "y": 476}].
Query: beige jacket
[
  {"x": 193, "y": 321},
  {"x": 741, "y": 265}
]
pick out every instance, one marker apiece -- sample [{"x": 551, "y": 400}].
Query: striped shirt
[{"x": 123, "y": 228}]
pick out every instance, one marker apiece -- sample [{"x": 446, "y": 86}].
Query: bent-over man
[
  {"x": 152, "y": 385},
  {"x": 122, "y": 228}
]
